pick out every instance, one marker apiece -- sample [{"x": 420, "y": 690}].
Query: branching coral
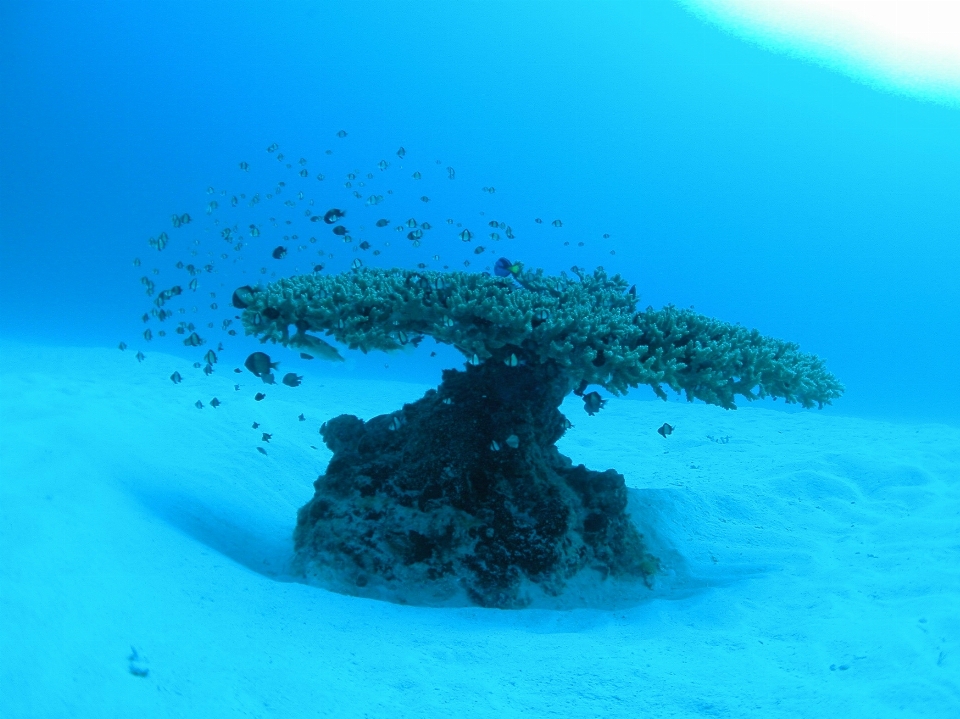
[{"x": 589, "y": 327}]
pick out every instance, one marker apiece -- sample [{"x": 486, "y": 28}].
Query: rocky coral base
[{"x": 464, "y": 494}]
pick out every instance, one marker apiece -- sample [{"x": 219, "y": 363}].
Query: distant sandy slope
[{"x": 812, "y": 563}]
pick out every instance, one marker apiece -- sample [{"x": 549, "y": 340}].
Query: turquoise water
[{"x": 757, "y": 187}]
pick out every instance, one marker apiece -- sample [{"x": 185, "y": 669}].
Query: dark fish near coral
[
  {"x": 215, "y": 403},
  {"x": 291, "y": 379},
  {"x": 505, "y": 268},
  {"x": 665, "y": 430},
  {"x": 331, "y": 216},
  {"x": 242, "y": 297},
  {"x": 592, "y": 403},
  {"x": 259, "y": 396},
  {"x": 259, "y": 363},
  {"x": 279, "y": 252},
  {"x": 176, "y": 378}
]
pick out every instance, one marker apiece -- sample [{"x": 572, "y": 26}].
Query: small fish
[
  {"x": 342, "y": 134},
  {"x": 279, "y": 252},
  {"x": 260, "y": 365},
  {"x": 215, "y": 403},
  {"x": 356, "y": 264},
  {"x": 475, "y": 360},
  {"x": 513, "y": 441},
  {"x": 383, "y": 165},
  {"x": 198, "y": 404},
  {"x": 395, "y": 424},
  {"x": 383, "y": 223},
  {"x": 415, "y": 234},
  {"x": 318, "y": 268},
  {"x": 331, "y": 216},
  {"x": 237, "y": 370},
  {"x": 505, "y": 268},
  {"x": 122, "y": 346},
  {"x": 244, "y": 166},
  {"x": 424, "y": 198},
  {"x": 302, "y": 418},
  {"x": 417, "y": 175},
  {"x": 273, "y": 147},
  {"x": 479, "y": 250},
  {"x": 592, "y": 403},
  {"x": 185, "y": 219},
  {"x": 466, "y": 236},
  {"x": 291, "y": 379},
  {"x": 495, "y": 446},
  {"x": 538, "y": 221},
  {"x": 236, "y": 388},
  {"x": 606, "y": 236},
  {"x": 208, "y": 370},
  {"x": 304, "y": 355},
  {"x": 210, "y": 357},
  {"x": 451, "y": 173},
  {"x": 256, "y": 425},
  {"x": 665, "y": 430},
  {"x": 197, "y": 365},
  {"x": 261, "y": 450},
  {"x": 266, "y": 437},
  {"x": 140, "y": 357},
  {"x": 340, "y": 230},
  {"x": 136, "y": 261},
  {"x": 511, "y": 361},
  {"x": 176, "y": 378},
  {"x": 259, "y": 396},
  {"x": 557, "y": 223},
  {"x": 194, "y": 340},
  {"x": 632, "y": 291}
]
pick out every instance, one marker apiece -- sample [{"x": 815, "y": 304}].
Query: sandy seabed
[{"x": 812, "y": 563}]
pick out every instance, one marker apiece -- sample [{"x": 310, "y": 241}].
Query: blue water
[{"x": 756, "y": 187}]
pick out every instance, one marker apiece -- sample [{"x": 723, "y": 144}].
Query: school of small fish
[{"x": 305, "y": 214}]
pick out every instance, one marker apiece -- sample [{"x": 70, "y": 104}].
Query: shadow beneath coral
[{"x": 247, "y": 538}]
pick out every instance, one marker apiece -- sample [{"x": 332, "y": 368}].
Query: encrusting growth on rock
[{"x": 463, "y": 493}]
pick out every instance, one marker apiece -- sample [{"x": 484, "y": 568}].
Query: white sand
[{"x": 813, "y": 570}]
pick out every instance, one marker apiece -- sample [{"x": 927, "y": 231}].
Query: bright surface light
[{"x": 907, "y": 46}]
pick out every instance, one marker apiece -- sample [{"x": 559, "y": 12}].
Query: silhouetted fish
[{"x": 665, "y": 430}]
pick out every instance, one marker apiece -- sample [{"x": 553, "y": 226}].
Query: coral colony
[{"x": 464, "y": 492}]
